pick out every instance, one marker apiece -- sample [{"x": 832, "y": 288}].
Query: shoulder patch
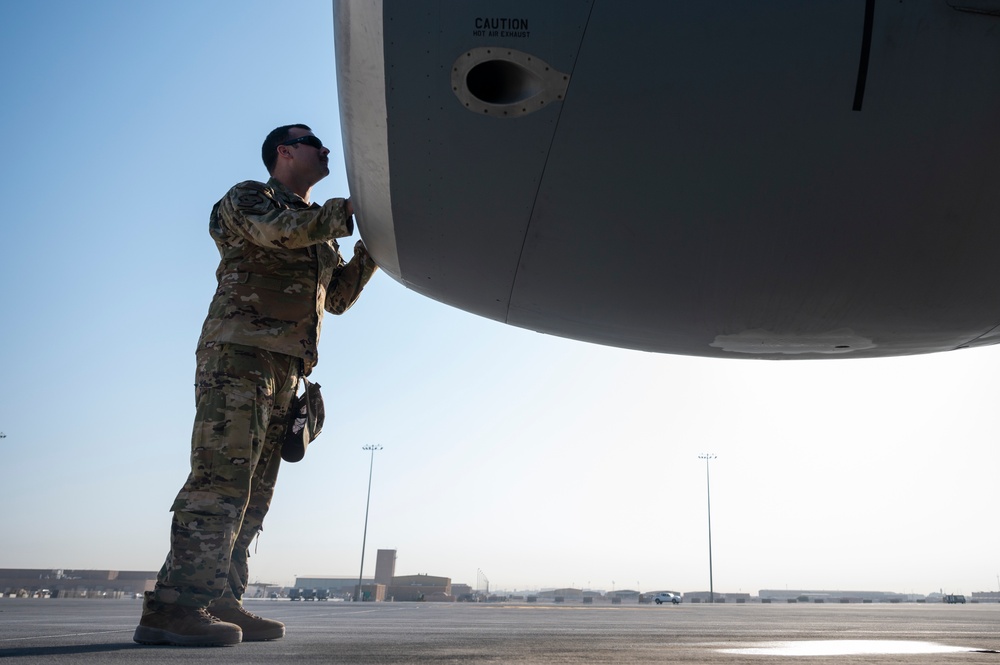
[{"x": 252, "y": 197}]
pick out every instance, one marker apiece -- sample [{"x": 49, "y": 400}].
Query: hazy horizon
[{"x": 492, "y": 589}]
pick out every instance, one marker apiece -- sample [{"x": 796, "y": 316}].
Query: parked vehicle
[{"x": 666, "y": 597}]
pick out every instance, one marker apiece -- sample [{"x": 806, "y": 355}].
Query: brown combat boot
[
  {"x": 255, "y": 628},
  {"x": 184, "y": 626}
]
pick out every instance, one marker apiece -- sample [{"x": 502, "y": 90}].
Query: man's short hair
[{"x": 269, "y": 151}]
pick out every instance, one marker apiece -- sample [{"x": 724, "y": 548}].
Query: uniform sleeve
[
  {"x": 250, "y": 210},
  {"x": 349, "y": 279}
]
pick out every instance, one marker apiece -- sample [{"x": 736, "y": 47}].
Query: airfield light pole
[
  {"x": 708, "y": 486},
  {"x": 371, "y": 464}
]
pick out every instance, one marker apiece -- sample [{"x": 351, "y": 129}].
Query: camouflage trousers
[{"x": 242, "y": 396}]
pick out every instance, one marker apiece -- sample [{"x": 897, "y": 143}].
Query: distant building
[
  {"x": 385, "y": 567},
  {"x": 340, "y": 586},
  {"x": 819, "y": 596},
  {"x": 386, "y": 585},
  {"x": 374, "y": 592},
  {"x": 66, "y": 583},
  {"x": 566, "y": 594},
  {"x": 462, "y": 591},
  {"x": 420, "y": 587},
  {"x": 719, "y": 597}
]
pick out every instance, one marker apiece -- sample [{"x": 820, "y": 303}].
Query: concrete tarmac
[{"x": 100, "y": 631}]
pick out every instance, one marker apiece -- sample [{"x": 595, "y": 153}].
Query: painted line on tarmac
[
  {"x": 846, "y": 648},
  {"x": 50, "y": 637}
]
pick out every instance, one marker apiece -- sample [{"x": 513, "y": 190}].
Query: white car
[{"x": 666, "y": 597}]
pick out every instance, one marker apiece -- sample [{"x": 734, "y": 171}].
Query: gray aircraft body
[{"x": 770, "y": 179}]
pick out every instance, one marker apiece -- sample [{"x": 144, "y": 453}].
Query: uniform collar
[{"x": 284, "y": 194}]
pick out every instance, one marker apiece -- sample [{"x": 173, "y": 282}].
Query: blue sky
[{"x": 541, "y": 461}]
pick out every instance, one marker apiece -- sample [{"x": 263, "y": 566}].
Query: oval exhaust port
[
  {"x": 501, "y": 82},
  {"x": 505, "y": 83}
]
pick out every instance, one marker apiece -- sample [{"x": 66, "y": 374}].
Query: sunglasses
[{"x": 307, "y": 140}]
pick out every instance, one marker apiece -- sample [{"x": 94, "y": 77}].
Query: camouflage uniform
[{"x": 280, "y": 269}]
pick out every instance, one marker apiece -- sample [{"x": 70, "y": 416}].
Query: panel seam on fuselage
[
  {"x": 866, "y": 48},
  {"x": 979, "y": 337},
  {"x": 545, "y": 165}
]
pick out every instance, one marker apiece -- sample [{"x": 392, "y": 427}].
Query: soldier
[{"x": 280, "y": 269}]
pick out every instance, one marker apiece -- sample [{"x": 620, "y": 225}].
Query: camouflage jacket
[{"x": 280, "y": 268}]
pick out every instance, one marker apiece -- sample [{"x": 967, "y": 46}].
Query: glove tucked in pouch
[{"x": 305, "y": 421}]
